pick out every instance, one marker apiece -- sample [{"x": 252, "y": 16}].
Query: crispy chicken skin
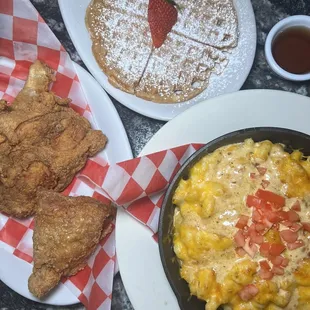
[
  {"x": 43, "y": 143},
  {"x": 67, "y": 231}
]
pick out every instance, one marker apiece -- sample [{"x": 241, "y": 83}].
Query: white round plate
[
  {"x": 15, "y": 272},
  {"x": 137, "y": 253},
  {"x": 73, "y": 13}
]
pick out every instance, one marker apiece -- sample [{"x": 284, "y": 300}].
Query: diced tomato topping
[
  {"x": 285, "y": 262},
  {"x": 256, "y": 216},
  {"x": 260, "y": 227},
  {"x": 254, "y": 248},
  {"x": 283, "y": 215},
  {"x": 265, "y": 274},
  {"x": 276, "y": 249},
  {"x": 275, "y": 207},
  {"x": 289, "y": 236},
  {"x": 257, "y": 238},
  {"x": 296, "y": 227},
  {"x": 277, "y": 270},
  {"x": 271, "y": 197},
  {"x": 264, "y": 249},
  {"x": 248, "y": 292},
  {"x": 261, "y": 170},
  {"x": 240, "y": 252},
  {"x": 296, "y": 206},
  {"x": 306, "y": 226},
  {"x": 265, "y": 184},
  {"x": 242, "y": 222},
  {"x": 264, "y": 265},
  {"x": 297, "y": 244},
  {"x": 287, "y": 223},
  {"x": 273, "y": 217},
  {"x": 239, "y": 238},
  {"x": 250, "y": 249},
  {"x": 267, "y": 223},
  {"x": 253, "y": 201},
  {"x": 292, "y": 216},
  {"x": 252, "y": 175},
  {"x": 266, "y": 213},
  {"x": 276, "y": 260}
]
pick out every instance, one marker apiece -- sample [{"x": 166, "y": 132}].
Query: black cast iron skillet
[{"x": 292, "y": 140}]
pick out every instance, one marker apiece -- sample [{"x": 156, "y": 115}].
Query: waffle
[
  {"x": 130, "y": 7},
  {"x": 122, "y": 53},
  {"x": 211, "y": 22},
  {"x": 198, "y": 46},
  {"x": 179, "y": 70}
]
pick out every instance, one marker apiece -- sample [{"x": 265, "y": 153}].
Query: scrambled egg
[{"x": 209, "y": 203}]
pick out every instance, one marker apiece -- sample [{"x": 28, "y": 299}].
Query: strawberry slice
[{"x": 162, "y": 16}]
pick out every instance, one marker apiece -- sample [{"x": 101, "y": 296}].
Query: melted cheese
[{"x": 209, "y": 204}]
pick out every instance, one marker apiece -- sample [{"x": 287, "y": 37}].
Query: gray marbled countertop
[{"x": 140, "y": 128}]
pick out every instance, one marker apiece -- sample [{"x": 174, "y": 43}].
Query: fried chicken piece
[
  {"x": 67, "y": 231},
  {"x": 43, "y": 143}
]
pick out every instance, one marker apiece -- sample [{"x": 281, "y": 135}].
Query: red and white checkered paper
[
  {"x": 138, "y": 185},
  {"x": 25, "y": 37}
]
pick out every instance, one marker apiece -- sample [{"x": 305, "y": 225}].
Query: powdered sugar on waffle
[
  {"x": 212, "y": 22},
  {"x": 133, "y": 7},
  {"x": 181, "y": 68},
  {"x": 119, "y": 48}
]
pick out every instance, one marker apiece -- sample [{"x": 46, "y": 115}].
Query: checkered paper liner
[
  {"x": 138, "y": 185},
  {"x": 25, "y": 37}
]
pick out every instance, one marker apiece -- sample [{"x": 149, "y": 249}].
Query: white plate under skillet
[
  {"x": 137, "y": 253},
  {"x": 15, "y": 272},
  {"x": 231, "y": 80}
]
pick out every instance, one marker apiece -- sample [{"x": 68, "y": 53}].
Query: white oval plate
[
  {"x": 73, "y": 13},
  {"x": 137, "y": 253},
  {"x": 15, "y": 272}
]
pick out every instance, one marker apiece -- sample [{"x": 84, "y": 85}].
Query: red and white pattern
[
  {"x": 25, "y": 37},
  {"x": 138, "y": 184}
]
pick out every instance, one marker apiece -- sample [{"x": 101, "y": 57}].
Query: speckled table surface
[{"x": 140, "y": 129}]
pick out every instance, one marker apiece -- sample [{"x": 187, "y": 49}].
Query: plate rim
[
  {"x": 127, "y": 154},
  {"x": 123, "y": 217},
  {"x": 138, "y": 106}
]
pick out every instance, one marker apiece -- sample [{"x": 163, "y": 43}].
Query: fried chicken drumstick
[
  {"x": 43, "y": 143},
  {"x": 67, "y": 231}
]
